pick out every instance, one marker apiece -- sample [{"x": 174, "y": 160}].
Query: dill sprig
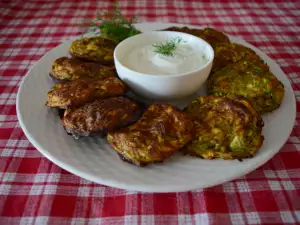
[
  {"x": 114, "y": 25},
  {"x": 168, "y": 47}
]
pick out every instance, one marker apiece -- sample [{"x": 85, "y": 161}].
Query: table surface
[{"x": 35, "y": 191}]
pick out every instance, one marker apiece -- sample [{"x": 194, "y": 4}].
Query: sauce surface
[{"x": 186, "y": 58}]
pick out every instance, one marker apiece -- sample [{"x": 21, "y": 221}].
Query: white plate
[{"x": 94, "y": 160}]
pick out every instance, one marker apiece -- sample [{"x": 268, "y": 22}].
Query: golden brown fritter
[
  {"x": 227, "y": 53},
  {"x": 251, "y": 81},
  {"x": 193, "y": 31},
  {"x": 212, "y": 36},
  {"x": 65, "y": 68},
  {"x": 162, "y": 130},
  {"x": 95, "y": 49},
  {"x": 225, "y": 128},
  {"x": 101, "y": 116},
  {"x": 78, "y": 92}
]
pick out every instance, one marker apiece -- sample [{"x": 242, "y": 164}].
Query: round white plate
[{"x": 94, "y": 160}]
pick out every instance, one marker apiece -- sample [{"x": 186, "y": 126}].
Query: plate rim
[{"x": 141, "y": 188}]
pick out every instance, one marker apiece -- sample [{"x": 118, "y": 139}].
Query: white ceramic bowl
[{"x": 162, "y": 87}]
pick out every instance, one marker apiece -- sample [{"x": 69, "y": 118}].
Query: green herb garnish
[
  {"x": 168, "y": 47},
  {"x": 114, "y": 25}
]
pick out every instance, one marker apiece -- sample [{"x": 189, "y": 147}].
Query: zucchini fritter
[
  {"x": 261, "y": 88},
  {"x": 225, "y": 128},
  {"x": 78, "y": 92},
  {"x": 227, "y": 53},
  {"x": 65, "y": 68},
  {"x": 212, "y": 36},
  {"x": 101, "y": 116},
  {"x": 95, "y": 49},
  {"x": 162, "y": 130},
  {"x": 192, "y": 31}
]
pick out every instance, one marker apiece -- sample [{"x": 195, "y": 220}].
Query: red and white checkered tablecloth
[{"x": 35, "y": 191}]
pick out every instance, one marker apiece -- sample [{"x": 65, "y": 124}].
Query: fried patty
[
  {"x": 162, "y": 130},
  {"x": 95, "y": 49},
  {"x": 101, "y": 116},
  {"x": 211, "y": 36},
  {"x": 65, "y": 68},
  {"x": 227, "y": 53},
  {"x": 78, "y": 92},
  {"x": 225, "y": 128},
  {"x": 246, "y": 79}
]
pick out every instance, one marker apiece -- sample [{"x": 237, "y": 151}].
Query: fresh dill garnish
[
  {"x": 168, "y": 47},
  {"x": 113, "y": 25}
]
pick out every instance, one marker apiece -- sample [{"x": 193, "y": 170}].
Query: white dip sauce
[{"x": 186, "y": 58}]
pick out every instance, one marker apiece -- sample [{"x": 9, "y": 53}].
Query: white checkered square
[
  {"x": 295, "y": 12},
  {"x": 287, "y": 217},
  {"x": 185, "y": 219},
  {"x": 275, "y": 185},
  {"x": 252, "y": 218},
  {"x": 46, "y": 6},
  {"x": 226, "y": 19},
  {"x": 286, "y": 20},
  {"x": 288, "y": 185},
  {"x": 84, "y": 191},
  {"x": 28, "y": 30},
  {"x": 297, "y": 214},
  {"x": 36, "y": 190},
  {"x": 65, "y": 4},
  {"x": 78, "y": 221},
  {"x": 7, "y": 151},
  {"x": 41, "y": 220},
  {"x": 28, "y": 5},
  {"x": 282, "y": 62},
  {"x": 237, "y": 218},
  {"x": 5, "y": 189},
  {"x": 229, "y": 187},
  {"x": 269, "y": 173},
  {"x": 40, "y": 177},
  {"x": 131, "y": 220},
  {"x": 243, "y": 186},
  {"x": 9, "y": 177},
  {"x": 23, "y": 143},
  {"x": 55, "y": 21},
  {"x": 147, "y": 219},
  {"x": 278, "y": 12},
  {"x": 34, "y": 22},
  {"x": 282, "y": 174},
  {"x": 2, "y": 117},
  {"x": 53, "y": 177},
  {"x": 260, "y": 12},
  {"x": 98, "y": 191},
  {"x": 26, "y": 221},
  {"x": 202, "y": 218},
  {"x": 83, "y": 4},
  {"x": 240, "y": 11},
  {"x": 289, "y": 5},
  {"x": 50, "y": 189},
  {"x": 41, "y": 13}
]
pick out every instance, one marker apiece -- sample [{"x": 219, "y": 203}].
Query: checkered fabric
[{"x": 35, "y": 191}]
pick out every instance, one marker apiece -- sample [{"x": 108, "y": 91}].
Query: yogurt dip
[{"x": 185, "y": 58}]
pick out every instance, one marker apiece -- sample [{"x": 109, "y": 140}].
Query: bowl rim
[{"x": 164, "y": 76}]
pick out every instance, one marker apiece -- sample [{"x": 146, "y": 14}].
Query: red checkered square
[
  {"x": 264, "y": 201},
  {"x": 114, "y": 206},
  {"x": 63, "y": 206},
  {"x": 29, "y": 165},
  {"x": 216, "y": 202},
  {"x": 165, "y": 204},
  {"x": 14, "y": 205}
]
